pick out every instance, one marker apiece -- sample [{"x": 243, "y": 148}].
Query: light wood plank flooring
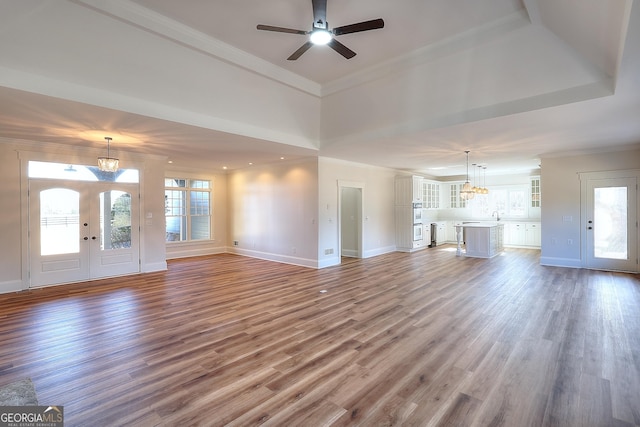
[{"x": 400, "y": 339}]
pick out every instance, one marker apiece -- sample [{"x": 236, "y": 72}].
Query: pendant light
[
  {"x": 467, "y": 192},
  {"x": 485, "y": 190},
  {"x": 108, "y": 164},
  {"x": 475, "y": 187}
]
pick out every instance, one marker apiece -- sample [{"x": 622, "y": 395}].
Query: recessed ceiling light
[
  {"x": 281, "y": 158},
  {"x": 224, "y": 167}
]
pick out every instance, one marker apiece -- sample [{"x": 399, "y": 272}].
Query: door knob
[
  {"x": 86, "y": 238},
  {"x": 589, "y": 228},
  {"x": 93, "y": 237}
]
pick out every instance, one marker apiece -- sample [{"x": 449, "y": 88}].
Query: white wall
[
  {"x": 560, "y": 186},
  {"x": 273, "y": 212},
  {"x": 13, "y": 221},
  {"x": 378, "y": 186}
]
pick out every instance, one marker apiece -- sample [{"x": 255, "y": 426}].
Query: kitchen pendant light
[
  {"x": 485, "y": 190},
  {"x": 467, "y": 192},
  {"x": 108, "y": 164},
  {"x": 475, "y": 188}
]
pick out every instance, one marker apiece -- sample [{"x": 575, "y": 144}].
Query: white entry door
[
  {"x": 82, "y": 230},
  {"x": 611, "y": 224}
]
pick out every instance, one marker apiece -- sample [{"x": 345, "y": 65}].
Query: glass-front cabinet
[{"x": 431, "y": 194}]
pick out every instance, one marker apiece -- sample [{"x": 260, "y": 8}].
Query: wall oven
[{"x": 417, "y": 213}]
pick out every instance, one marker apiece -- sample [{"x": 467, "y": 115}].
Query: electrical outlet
[
  {"x": 569, "y": 242},
  {"x": 328, "y": 251},
  {"x": 235, "y": 243}
]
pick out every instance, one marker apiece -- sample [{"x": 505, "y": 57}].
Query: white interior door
[
  {"x": 82, "y": 230},
  {"x": 611, "y": 224}
]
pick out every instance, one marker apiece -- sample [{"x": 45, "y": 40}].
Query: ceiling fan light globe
[{"x": 320, "y": 37}]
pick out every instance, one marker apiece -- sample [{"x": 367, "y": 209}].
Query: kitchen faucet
[{"x": 497, "y": 215}]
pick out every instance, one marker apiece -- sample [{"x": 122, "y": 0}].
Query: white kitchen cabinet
[
  {"x": 408, "y": 190},
  {"x": 441, "y": 233},
  {"x": 514, "y": 234},
  {"x": 409, "y": 227},
  {"x": 426, "y": 236},
  {"x": 431, "y": 194},
  {"x": 535, "y": 192},
  {"x": 522, "y": 234},
  {"x": 532, "y": 235}
]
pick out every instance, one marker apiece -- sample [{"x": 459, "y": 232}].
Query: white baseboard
[
  {"x": 155, "y": 266},
  {"x": 11, "y": 286},
  {"x": 352, "y": 253},
  {"x": 561, "y": 262},
  {"x": 379, "y": 251},
  {"x": 286, "y": 259},
  {"x": 329, "y": 262},
  {"x": 187, "y": 252}
]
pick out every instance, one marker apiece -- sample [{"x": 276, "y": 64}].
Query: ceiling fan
[{"x": 321, "y": 34}]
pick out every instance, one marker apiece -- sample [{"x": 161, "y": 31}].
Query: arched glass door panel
[{"x": 59, "y": 221}]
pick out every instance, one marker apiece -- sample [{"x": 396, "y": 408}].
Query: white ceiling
[{"x": 510, "y": 80}]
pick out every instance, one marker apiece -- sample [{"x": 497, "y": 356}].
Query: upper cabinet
[
  {"x": 409, "y": 190},
  {"x": 431, "y": 194},
  {"x": 454, "y": 200},
  {"x": 535, "y": 192}
]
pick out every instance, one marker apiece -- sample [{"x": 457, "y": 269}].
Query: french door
[
  {"x": 611, "y": 224},
  {"x": 82, "y": 230}
]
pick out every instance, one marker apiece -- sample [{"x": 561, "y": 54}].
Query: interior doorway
[{"x": 351, "y": 220}]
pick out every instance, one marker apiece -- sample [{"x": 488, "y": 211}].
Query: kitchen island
[{"x": 481, "y": 239}]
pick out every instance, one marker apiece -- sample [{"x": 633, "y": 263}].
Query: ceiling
[{"x": 513, "y": 81}]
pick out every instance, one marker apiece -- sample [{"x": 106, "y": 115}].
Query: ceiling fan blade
[
  {"x": 298, "y": 53},
  {"x": 341, "y": 49},
  {"x": 374, "y": 24},
  {"x": 320, "y": 12},
  {"x": 280, "y": 29}
]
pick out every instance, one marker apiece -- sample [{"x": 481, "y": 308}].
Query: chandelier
[
  {"x": 467, "y": 192},
  {"x": 108, "y": 164}
]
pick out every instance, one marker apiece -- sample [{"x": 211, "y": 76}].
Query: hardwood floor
[{"x": 400, "y": 339}]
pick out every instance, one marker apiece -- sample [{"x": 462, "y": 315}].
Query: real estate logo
[{"x": 31, "y": 416}]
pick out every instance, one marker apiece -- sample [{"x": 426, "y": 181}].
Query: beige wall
[
  {"x": 378, "y": 186},
  {"x": 560, "y": 185},
  {"x": 273, "y": 210}
]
